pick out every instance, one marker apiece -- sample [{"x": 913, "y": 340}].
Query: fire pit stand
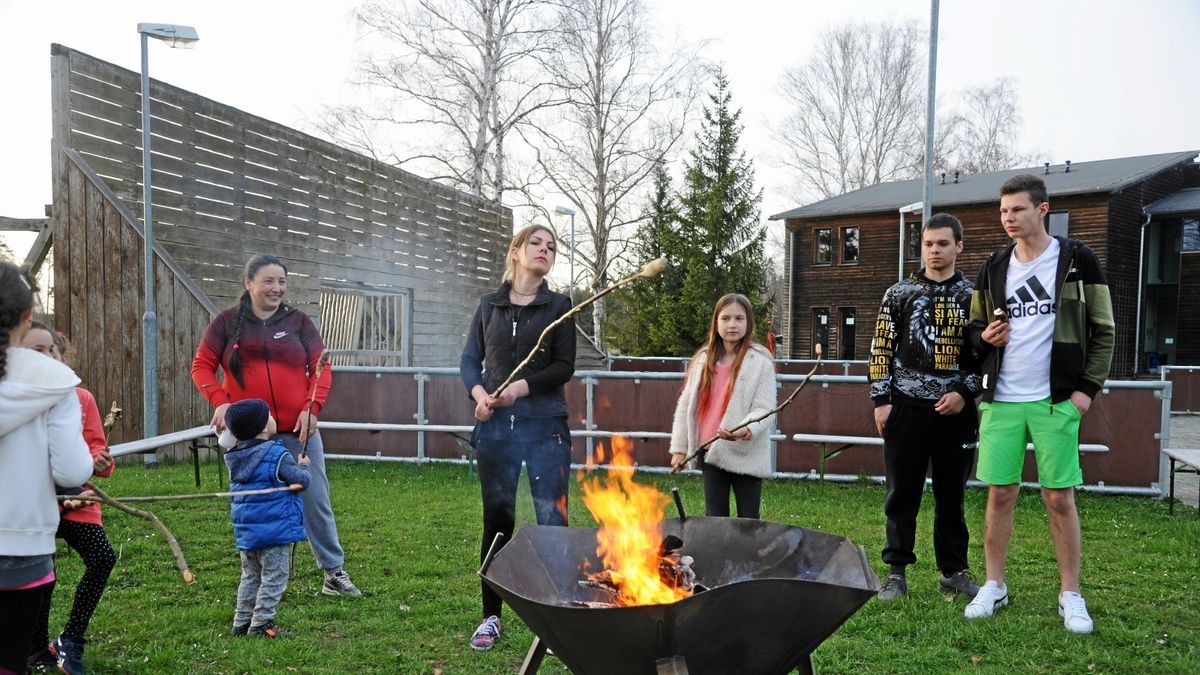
[{"x": 775, "y": 593}]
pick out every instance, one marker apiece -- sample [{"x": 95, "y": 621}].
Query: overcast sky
[{"x": 1097, "y": 78}]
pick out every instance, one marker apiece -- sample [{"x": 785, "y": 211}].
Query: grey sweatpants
[
  {"x": 319, "y": 524},
  {"x": 264, "y": 579}
]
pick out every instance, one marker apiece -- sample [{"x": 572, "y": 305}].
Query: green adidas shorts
[{"x": 1004, "y": 430}]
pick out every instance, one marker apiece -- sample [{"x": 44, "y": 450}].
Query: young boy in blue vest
[{"x": 264, "y": 525}]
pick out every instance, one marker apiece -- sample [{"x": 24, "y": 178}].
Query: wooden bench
[
  {"x": 822, "y": 441},
  {"x": 1190, "y": 459}
]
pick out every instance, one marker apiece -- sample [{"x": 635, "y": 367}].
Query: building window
[
  {"x": 912, "y": 241},
  {"x": 849, "y": 245},
  {"x": 820, "y": 331},
  {"x": 367, "y": 328},
  {"x": 823, "y": 246},
  {"x": 1191, "y": 235},
  {"x": 1056, "y": 223},
  {"x": 846, "y": 333}
]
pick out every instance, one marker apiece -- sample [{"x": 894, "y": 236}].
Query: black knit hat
[{"x": 247, "y": 419}]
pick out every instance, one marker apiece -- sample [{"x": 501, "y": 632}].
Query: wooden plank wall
[
  {"x": 99, "y": 277},
  {"x": 228, "y": 184}
]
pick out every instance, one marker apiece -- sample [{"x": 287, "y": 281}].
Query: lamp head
[
  {"x": 564, "y": 211},
  {"x": 184, "y": 37}
]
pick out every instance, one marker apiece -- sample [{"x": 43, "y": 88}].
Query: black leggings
[
  {"x": 18, "y": 614},
  {"x": 92, "y": 544},
  {"x": 747, "y": 492}
]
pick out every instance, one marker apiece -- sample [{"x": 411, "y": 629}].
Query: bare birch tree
[
  {"x": 627, "y": 108},
  {"x": 984, "y": 131},
  {"x": 856, "y": 108},
  {"x": 458, "y": 74},
  {"x": 857, "y": 115}
]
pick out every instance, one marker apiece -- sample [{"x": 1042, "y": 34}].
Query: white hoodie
[{"x": 41, "y": 445}]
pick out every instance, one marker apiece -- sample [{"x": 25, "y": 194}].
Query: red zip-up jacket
[
  {"x": 93, "y": 435},
  {"x": 279, "y": 361}
]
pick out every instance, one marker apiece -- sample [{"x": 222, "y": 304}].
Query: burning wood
[
  {"x": 674, "y": 571},
  {"x": 641, "y": 566}
]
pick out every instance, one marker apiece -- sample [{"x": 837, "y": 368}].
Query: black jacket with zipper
[
  {"x": 1084, "y": 334},
  {"x": 502, "y": 335}
]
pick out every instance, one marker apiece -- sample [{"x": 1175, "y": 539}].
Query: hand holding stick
[
  {"x": 312, "y": 400},
  {"x": 650, "y": 269},
  {"x": 704, "y": 446}
]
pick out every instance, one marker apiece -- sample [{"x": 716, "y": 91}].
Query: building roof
[
  {"x": 1181, "y": 203},
  {"x": 1106, "y": 175}
]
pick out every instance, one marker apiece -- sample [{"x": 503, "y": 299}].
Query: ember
[{"x": 640, "y": 566}]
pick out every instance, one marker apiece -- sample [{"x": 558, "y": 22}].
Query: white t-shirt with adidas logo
[{"x": 1029, "y": 293}]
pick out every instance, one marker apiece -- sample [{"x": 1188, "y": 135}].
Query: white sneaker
[
  {"x": 1073, "y": 610},
  {"x": 991, "y": 597}
]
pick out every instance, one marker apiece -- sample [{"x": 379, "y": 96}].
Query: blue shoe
[{"x": 69, "y": 652}]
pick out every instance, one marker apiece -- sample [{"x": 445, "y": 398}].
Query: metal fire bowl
[{"x": 775, "y": 593}]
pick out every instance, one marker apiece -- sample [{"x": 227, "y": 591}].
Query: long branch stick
[
  {"x": 703, "y": 447},
  {"x": 180, "y": 561},
  {"x": 312, "y": 400},
  {"x": 650, "y": 269},
  {"x": 294, "y": 487}
]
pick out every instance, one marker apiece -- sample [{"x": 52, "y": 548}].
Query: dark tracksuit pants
[{"x": 914, "y": 439}]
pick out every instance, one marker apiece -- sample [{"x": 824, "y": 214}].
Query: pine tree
[
  {"x": 720, "y": 235},
  {"x": 713, "y": 239}
]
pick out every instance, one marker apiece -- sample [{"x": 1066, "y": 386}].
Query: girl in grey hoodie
[{"x": 41, "y": 445}]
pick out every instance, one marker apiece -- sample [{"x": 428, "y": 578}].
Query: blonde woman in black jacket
[{"x": 528, "y": 421}]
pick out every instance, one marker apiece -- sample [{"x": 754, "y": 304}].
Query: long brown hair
[
  {"x": 253, "y": 265},
  {"x": 714, "y": 347}
]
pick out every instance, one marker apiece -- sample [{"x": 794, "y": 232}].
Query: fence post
[
  {"x": 589, "y": 422},
  {"x": 421, "y": 379},
  {"x": 1164, "y": 438}
]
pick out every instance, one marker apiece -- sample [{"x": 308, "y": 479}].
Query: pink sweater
[{"x": 718, "y": 400}]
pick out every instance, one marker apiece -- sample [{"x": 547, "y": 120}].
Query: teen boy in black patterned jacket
[{"x": 924, "y": 385}]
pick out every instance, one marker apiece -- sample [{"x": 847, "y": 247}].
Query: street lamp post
[
  {"x": 570, "y": 212},
  {"x": 174, "y": 36}
]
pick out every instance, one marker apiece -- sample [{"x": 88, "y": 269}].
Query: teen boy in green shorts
[{"x": 1041, "y": 318}]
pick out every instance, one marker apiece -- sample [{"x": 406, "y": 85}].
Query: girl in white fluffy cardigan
[{"x": 730, "y": 379}]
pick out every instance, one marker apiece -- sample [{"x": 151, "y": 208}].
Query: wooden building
[
  {"x": 842, "y": 253},
  {"x": 390, "y": 265}
]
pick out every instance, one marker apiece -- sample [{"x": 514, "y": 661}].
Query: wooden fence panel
[{"x": 228, "y": 185}]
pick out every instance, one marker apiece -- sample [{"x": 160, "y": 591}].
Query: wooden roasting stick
[
  {"x": 98, "y": 495},
  {"x": 312, "y": 400},
  {"x": 703, "y": 447},
  {"x": 649, "y": 270}
]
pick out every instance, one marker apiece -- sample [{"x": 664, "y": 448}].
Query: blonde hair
[
  {"x": 715, "y": 346},
  {"x": 519, "y": 239}
]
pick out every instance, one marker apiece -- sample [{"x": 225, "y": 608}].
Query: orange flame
[{"x": 630, "y": 517}]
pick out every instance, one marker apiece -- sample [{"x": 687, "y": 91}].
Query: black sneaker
[
  {"x": 267, "y": 630},
  {"x": 959, "y": 582},
  {"x": 68, "y": 651},
  {"x": 42, "y": 661},
  {"x": 893, "y": 587},
  {"x": 243, "y": 629}
]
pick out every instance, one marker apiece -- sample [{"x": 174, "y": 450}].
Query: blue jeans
[
  {"x": 547, "y": 463},
  {"x": 319, "y": 525}
]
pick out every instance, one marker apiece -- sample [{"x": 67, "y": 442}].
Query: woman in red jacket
[
  {"x": 80, "y": 526},
  {"x": 269, "y": 350}
]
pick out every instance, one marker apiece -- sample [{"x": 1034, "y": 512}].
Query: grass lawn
[{"x": 411, "y": 535}]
